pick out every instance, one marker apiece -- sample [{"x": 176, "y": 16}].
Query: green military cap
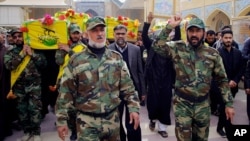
[
  {"x": 14, "y": 31},
  {"x": 73, "y": 27},
  {"x": 94, "y": 21},
  {"x": 196, "y": 22}
]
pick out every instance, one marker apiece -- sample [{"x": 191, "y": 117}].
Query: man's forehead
[
  {"x": 120, "y": 30},
  {"x": 210, "y": 35}
]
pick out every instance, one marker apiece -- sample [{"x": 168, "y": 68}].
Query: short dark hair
[
  {"x": 210, "y": 32},
  {"x": 226, "y": 26},
  {"x": 217, "y": 33},
  {"x": 223, "y": 32},
  {"x": 119, "y": 27}
]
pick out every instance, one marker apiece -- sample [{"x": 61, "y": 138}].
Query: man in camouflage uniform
[
  {"x": 93, "y": 81},
  {"x": 75, "y": 40},
  {"x": 28, "y": 85},
  {"x": 195, "y": 65}
]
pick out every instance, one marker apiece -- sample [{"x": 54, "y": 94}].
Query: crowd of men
[{"x": 90, "y": 83}]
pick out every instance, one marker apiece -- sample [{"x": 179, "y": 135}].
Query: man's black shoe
[
  {"x": 164, "y": 134},
  {"x": 152, "y": 125},
  {"x": 222, "y": 133}
]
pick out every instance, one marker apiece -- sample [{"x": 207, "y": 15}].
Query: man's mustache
[
  {"x": 192, "y": 38},
  {"x": 99, "y": 37}
]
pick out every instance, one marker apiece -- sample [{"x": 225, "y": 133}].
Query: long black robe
[
  {"x": 6, "y": 106},
  {"x": 160, "y": 76}
]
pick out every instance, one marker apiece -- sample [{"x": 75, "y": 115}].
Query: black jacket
[{"x": 235, "y": 67}]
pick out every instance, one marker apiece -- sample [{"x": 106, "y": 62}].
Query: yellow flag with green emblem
[{"x": 45, "y": 37}]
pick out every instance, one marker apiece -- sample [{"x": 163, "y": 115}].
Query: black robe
[
  {"x": 160, "y": 76},
  {"x": 7, "y": 107}
]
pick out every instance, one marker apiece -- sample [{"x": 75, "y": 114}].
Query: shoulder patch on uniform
[
  {"x": 75, "y": 55},
  {"x": 116, "y": 52}
]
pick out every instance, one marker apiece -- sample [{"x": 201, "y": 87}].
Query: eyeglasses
[
  {"x": 18, "y": 36},
  {"x": 119, "y": 33}
]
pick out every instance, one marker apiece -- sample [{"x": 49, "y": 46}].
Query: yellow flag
[{"x": 45, "y": 37}]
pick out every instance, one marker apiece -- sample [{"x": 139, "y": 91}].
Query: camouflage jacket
[
  {"x": 94, "y": 85},
  {"x": 60, "y": 54},
  {"x": 194, "y": 66},
  {"x": 32, "y": 73}
]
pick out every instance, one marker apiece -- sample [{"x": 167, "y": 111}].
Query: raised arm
[
  {"x": 162, "y": 44},
  {"x": 145, "y": 38}
]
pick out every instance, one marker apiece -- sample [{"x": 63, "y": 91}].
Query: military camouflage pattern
[
  {"x": 194, "y": 67},
  {"x": 96, "y": 129},
  {"x": 28, "y": 88},
  {"x": 192, "y": 119},
  {"x": 60, "y": 54},
  {"x": 194, "y": 70},
  {"x": 94, "y": 21},
  {"x": 73, "y": 27},
  {"x": 196, "y": 22},
  {"x": 95, "y": 85}
]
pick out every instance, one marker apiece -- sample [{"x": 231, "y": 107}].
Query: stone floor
[{"x": 49, "y": 130}]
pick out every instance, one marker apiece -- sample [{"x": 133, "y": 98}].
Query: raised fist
[
  {"x": 150, "y": 17},
  {"x": 174, "y": 20}
]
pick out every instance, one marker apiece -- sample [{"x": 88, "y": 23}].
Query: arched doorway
[
  {"x": 216, "y": 20},
  {"x": 245, "y": 12}
]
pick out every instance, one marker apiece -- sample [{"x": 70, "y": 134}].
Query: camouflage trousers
[
  {"x": 90, "y": 128},
  {"x": 29, "y": 106},
  {"x": 192, "y": 120}
]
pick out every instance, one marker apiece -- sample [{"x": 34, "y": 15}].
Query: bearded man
[
  {"x": 131, "y": 54},
  {"x": 195, "y": 65}
]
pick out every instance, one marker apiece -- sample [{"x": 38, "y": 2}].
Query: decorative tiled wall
[
  {"x": 196, "y": 11},
  {"x": 240, "y": 5},
  {"x": 225, "y": 7}
]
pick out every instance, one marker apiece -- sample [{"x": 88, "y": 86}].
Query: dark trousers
[
  {"x": 132, "y": 135},
  {"x": 214, "y": 96},
  {"x": 222, "y": 121},
  {"x": 248, "y": 107}
]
